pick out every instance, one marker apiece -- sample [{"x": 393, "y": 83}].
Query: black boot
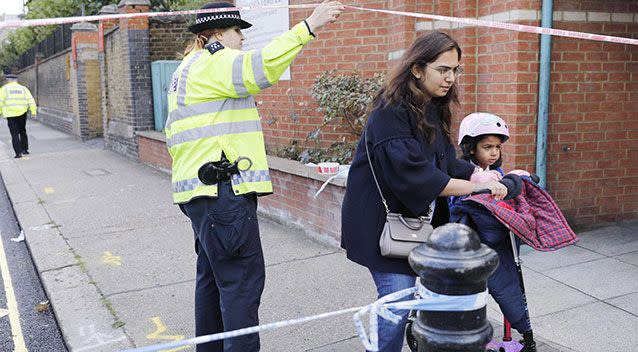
[{"x": 529, "y": 345}]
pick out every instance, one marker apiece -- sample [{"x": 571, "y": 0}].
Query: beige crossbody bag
[{"x": 400, "y": 234}]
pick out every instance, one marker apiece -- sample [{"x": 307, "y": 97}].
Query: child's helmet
[{"x": 480, "y": 123}]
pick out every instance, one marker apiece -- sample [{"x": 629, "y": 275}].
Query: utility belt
[{"x": 218, "y": 171}]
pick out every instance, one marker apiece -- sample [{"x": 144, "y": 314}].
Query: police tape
[
  {"x": 428, "y": 300},
  {"x": 76, "y": 19},
  {"x": 463, "y": 20},
  {"x": 510, "y": 26}
]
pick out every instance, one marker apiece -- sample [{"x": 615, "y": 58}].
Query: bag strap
[
  {"x": 376, "y": 182},
  {"x": 385, "y": 204}
]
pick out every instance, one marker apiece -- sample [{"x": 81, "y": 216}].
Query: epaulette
[{"x": 214, "y": 47}]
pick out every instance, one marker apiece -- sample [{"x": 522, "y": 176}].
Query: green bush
[{"x": 344, "y": 100}]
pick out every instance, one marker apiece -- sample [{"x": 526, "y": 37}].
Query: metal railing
[{"x": 56, "y": 42}]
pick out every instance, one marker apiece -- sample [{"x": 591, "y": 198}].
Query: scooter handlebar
[{"x": 512, "y": 182}]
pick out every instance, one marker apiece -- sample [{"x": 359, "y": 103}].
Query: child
[{"x": 481, "y": 136}]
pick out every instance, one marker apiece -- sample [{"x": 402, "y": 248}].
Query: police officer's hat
[
  {"x": 10, "y": 76},
  {"x": 223, "y": 19}
]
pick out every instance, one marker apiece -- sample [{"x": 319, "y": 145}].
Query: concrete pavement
[{"x": 116, "y": 258}]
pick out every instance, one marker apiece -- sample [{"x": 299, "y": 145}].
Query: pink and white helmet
[{"x": 480, "y": 123}]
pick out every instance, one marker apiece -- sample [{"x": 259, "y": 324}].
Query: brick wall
[
  {"x": 53, "y": 92},
  {"x": 168, "y": 38},
  {"x": 116, "y": 88},
  {"x": 153, "y": 150},
  {"x": 86, "y": 83},
  {"x": 293, "y": 200},
  {"x": 126, "y": 68},
  {"x": 593, "y": 130},
  {"x": 593, "y": 120},
  {"x": 358, "y": 41}
]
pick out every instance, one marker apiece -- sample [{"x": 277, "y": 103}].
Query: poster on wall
[{"x": 267, "y": 24}]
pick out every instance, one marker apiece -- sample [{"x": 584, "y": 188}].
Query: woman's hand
[
  {"x": 485, "y": 176},
  {"x": 498, "y": 190},
  {"x": 326, "y": 12}
]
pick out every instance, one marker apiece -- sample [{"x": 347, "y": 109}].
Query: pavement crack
[
  {"x": 150, "y": 287},
  {"x": 58, "y": 268},
  {"x": 302, "y": 259},
  {"x": 332, "y": 343}
]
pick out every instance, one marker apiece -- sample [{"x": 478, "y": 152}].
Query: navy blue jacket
[{"x": 411, "y": 173}]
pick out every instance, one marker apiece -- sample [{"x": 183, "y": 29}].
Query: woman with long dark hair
[{"x": 408, "y": 138}]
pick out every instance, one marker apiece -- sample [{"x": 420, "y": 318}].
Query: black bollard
[{"x": 453, "y": 262}]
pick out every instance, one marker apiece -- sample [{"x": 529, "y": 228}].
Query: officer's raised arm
[{"x": 263, "y": 68}]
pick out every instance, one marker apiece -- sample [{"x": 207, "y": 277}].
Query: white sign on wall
[{"x": 267, "y": 24}]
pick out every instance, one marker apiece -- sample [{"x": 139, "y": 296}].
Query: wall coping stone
[
  {"x": 134, "y": 3},
  {"x": 108, "y": 10},
  {"x": 288, "y": 166},
  {"x": 158, "y": 136},
  {"x": 83, "y": 27},
  {"x": 296, "y": 168}
]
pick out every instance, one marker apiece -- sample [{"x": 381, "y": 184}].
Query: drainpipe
[{"x": 547, "y": 10}]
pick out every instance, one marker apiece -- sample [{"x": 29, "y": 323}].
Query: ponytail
[
  {"x": 200, "y": 40},
  {"x": 197, "y": 44}
]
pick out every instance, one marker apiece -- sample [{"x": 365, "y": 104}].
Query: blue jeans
[{"x": 391, "y": 335}]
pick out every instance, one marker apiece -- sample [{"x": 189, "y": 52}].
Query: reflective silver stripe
[
  {"x": 258, "y": 70},
  {"x": 25, "y": 105},
  {"x": 18, "y": 91},
  {"x": 250, "y": 176},
  {"x": 181, "y": 85},
  {"x": 214, "y": 130},
  {"x": 186, "y": 185},
  {"x": 238, "y": 76},
  {"x": 210, "y": 107}
]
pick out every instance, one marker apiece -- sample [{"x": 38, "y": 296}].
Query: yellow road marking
[
  {"x": 3, "y": 313},
  {"x": 49, "y": 190},
  {"x": 12, "y": 304},
  {"x": 110, "y": 259},
  {"x": 157, "y": 334}
]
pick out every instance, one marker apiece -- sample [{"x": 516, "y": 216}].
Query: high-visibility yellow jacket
[
  {"x": 212, "y": 110},
  {"x": 15, "y": 100}
]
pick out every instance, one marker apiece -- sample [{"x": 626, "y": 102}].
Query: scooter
[
  {"x": 513, "y": 184},
  {"x": 507, "y": 344}
]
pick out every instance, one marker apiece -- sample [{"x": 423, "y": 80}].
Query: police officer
[
  {"x": 15, "y": 101},
  {"x": 213, "y": 118}
]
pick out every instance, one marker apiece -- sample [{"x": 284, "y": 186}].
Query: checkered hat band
[{"x": 217, "y": 17}]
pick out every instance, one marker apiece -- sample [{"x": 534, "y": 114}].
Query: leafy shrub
[{"x": 344, "y": 101}]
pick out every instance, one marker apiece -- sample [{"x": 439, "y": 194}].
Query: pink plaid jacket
[{"x": 533, "y": 216}]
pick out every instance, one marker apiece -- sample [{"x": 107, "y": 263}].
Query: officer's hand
[{"x": 326, "y": 12}]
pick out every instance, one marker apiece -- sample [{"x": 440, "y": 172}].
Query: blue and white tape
[
  {"x": 381, "y": 308},
  {"x": 429, "y": 301}
]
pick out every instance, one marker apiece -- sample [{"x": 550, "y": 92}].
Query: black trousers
[
  {"x": 18, "y": 130},
  {"x": 230, "y": 267}
]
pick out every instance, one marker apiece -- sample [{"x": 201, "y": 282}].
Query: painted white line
[{"x": 12, "y": 304}]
